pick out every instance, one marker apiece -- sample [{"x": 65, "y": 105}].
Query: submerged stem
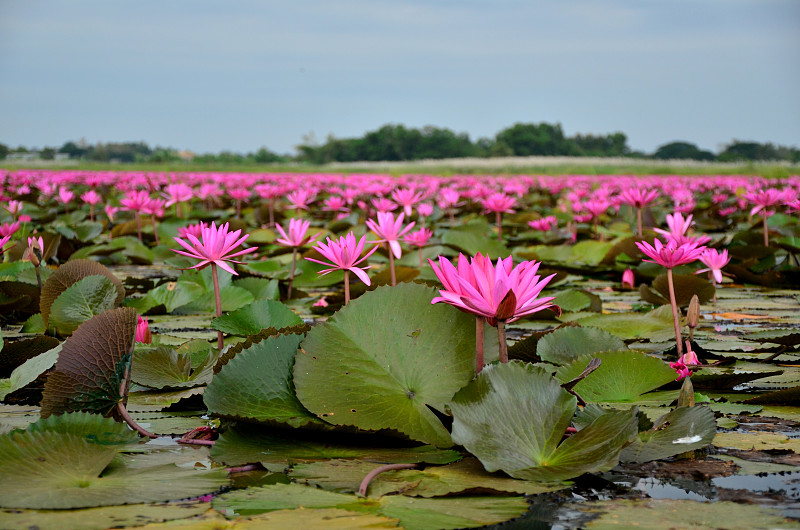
[{"x": 675, "y": 318}]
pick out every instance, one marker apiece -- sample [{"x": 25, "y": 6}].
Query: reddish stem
[
  {"x": 639, "y": 221},
  {"x": 191, "y": 441},
  {"x": 391, "y": 265},
  {"x": 766, "y": 232},
  {"x": 291, "y": 272},
  {"x": 155, "y": 230},
  {"x": 217, "y": 301},
  {"x": 501, "y": 339},
  {"x": 123, "y": 386},
  {"x": 346, "y": 287},
  {"x": 139, "y": 226},
  {"x": 675, "y": 318},
  {"x": 499, "y": 221},
  {"x": 362, "y": 489}
]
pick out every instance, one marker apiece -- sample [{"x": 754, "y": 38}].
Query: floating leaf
[
  {"x": 69, "y": 273},
  {"x": 64, "y": 471},
  {"x": 656, "y": 325},
  {"x": 681, "y": 430},
  {"x": 686, "y": 286},
  {"x": 165, "y": 367},
  {"x": 256, "y": 385},
  {"x": 261, "y": 288},
  {"x": 787, "y": 337},
  {"x": 81, "y": 301},
  {"x": 14, "y": 354},
  {"x": 92, "y": 364},
  {"x": 248, "y": 444},
  {"x": 392, "y": 343},
  {"x": 513, "y": 418},
  {"x": 29, "y": 371},
  {"x": 578, "y": 300},
  {"x": 100, "y": 518},
  {"x": 763, "y": 441},
  {"x": 622, "y": 376},
  {"x": 658, "y": 513},
  {"x": 472, "y": 238},
  {"x": 468, "y": 475},
  {"x": 566, "y": 344},
  {"x": 414, "y": 514},
  {"x": 93, "y": 428},
  {"x": 259, "y": 315},
  {"x": 785, "y": 396}
]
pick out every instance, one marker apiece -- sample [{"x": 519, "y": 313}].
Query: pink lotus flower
[
  {"x": 681, "y": 366},
  {"x": 714, "y": 261},
  {"x": 14, "y": 207},
  {"x": 499, "y": 203},
  {"x": 500, "y": 293},
  {"x": 382, "y": 204},
  {"x": 178, "y": 192},
  {"x": 390, "y": 230},
  {"x": 91, "y": 197},
  {"x": 419, "y": 238},
  {"x": 638, "y": 197},
  {"x": 672, "y": 254},
  {"x": 65, "y": 195},
  {"x": 545, "y": 224},
  {"x": 425, "y": 209},
  {"x": 36, "y": 243},
  {"x": 8, "y": 229},
  {"x": 296, "y": 237},
  {"x": 344, "y": 254},
  {"x": 215, "y": 245},
  {"x": 111, "y": 212},
  {"x": 407, "y": 198},
  {"x": 763, "y": 199},
  {"x": 320, "y": 303},
  {"x": 135, "y": 200},
  {"x": 300, "y": 199},
  {"x": 3, "y": 241},
  {"x": 143, "y": 334},
  {"x": 196, "y": 230}
]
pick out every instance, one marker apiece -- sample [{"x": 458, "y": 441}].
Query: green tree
[
  {"x": 3, "y": 151},
  {"x": 530, "y": 139},
  {"x": 682, "y": 151}
]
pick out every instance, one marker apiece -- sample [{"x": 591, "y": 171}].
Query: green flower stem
[
  {"x": 217, "y": 301},
  {"x": 675, "y": 318},
  {"x": 766, "y": 231}
]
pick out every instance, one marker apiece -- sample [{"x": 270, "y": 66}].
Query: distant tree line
[{"x": 399, "y": 143}]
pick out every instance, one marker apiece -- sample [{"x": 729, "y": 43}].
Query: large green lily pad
[
  {"x": 681, "y": 430},
  {"x": 248, "y": 444},
  {"x": 655, "y": 326},
  {"x": 256, "y": 384},
  {"x": 381, "y": 361},
  {"x": 254, "y": 317},
  {"x": 566, "y": 344},
  {"x": 622, "y": 376},
  {"x": 165, "y": 367},
  {"x": 513, "y": 417},
  {"x": 64, "y": 471},
  {"x": 99, "y": 518},
  {"x": 81, "y": 301}
]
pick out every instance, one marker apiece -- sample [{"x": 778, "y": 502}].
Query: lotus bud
[
  {"x": 143, "y": 334},
  {"x": 35, "y": 250},
  {"x": 628, "y": 279},
  {"x": 693, "y": 315}
]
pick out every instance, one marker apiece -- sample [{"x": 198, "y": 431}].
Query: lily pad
[
  {"x": 256, "y": 385},
  {"x": 472, "y": 238},
  {"x": 681, "y": 430},
  {"x": 686, "y": 286},
  {"x": 566, "y": 344},
  {"x": 414, "y": 514},
  {"x": 164, "y": 367},
  {"x": 29, "y": 371},
  {"x": 254, "y": 317},
  {"x": 466, "y": 476},
  {"x": 656, "y": 325},
  {"x": 248, "y": 444},
  {"x": 574, "y": 300},
  {"x": 69, "y": 273},
  {"x": 93, "y": 428},
  {"x": 64, "y": 471},
  {"x": 392, "y": 343},
  {"x": 14, "y": 354},
  {"x": 100, "y": 518},
  {"x": 92, "y": 365},
  {"x": 622, "y": 376},
  {"x": 656, "y": 513},
  {"x": 81, "y": 301},
  {"x": 513, "y": 418}
]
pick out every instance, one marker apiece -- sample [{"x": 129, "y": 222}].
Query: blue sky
[{"x": 211, "y": 76}]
